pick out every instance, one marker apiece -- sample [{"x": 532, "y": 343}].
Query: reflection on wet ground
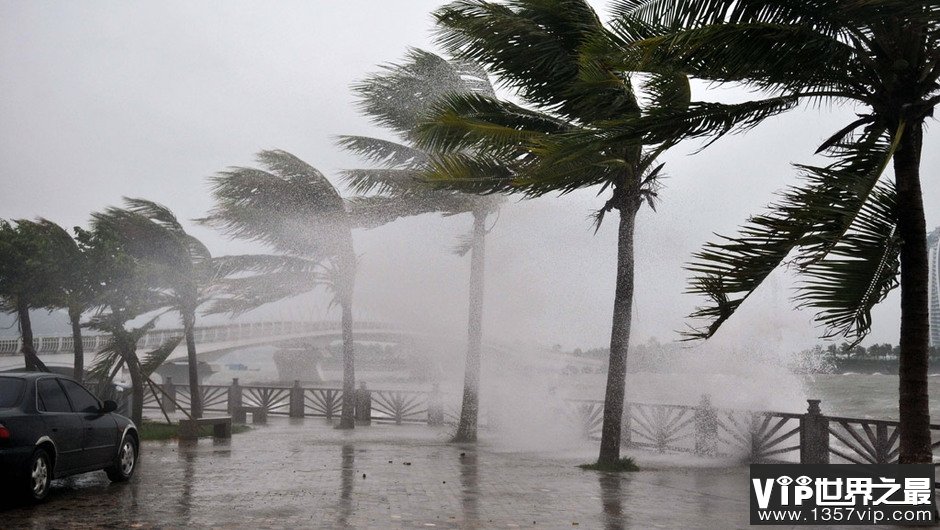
[{"x": 304, "y": 474}]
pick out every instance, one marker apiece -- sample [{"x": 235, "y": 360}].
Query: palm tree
[
  {"x": 64, "y": 270},
  {"x": 534, "y": 47},
  {"x": 852, "y": 230},
  {"x": 182, "y": 265},
  {"x": 399, "y": 98},
  {"x": 129, "y": 288},
  {"x": 295, "y": 211},
  {"x": 23, "y": 252}
]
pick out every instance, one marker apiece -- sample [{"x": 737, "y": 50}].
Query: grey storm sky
[{"x": 108, "y": 99}]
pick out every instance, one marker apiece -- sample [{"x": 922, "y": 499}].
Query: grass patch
[
  {"x": 625, "y": 464},
  {"x": 154, "y": 430}
]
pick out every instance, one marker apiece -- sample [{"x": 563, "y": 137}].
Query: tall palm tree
[
  {"x": 181, "y": 264},
  {"x": 23, "y": 252},
  {"x": 534, "y": 46},
  {"x": 129, "y": 288},
  {"x": 854, "y": 232},
  {"x": 398, "y": 98},
  {"x": 295, "y": 211}
]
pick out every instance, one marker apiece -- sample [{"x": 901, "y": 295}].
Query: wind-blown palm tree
[
  {"x": 534, "y": 47},
  {"x": 295, "y": 211},
  {"x": 849, "y": 230},
  {"x": 23, "y": 252},
  {"x": 181, "y": 264},
  {"x": 129, "y": 288},
  {"x": 398, "y": 98},
  {"x": 64, "y": 270}
]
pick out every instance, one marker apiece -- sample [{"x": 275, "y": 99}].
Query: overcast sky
[{"x": 100, "y": 100}]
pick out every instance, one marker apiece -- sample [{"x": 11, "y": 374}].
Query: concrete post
[
  {"x": 435, "y": 406},
  {"x": 296, "y": 401},
  {"x": 169, "y": 395},
  {"x": 814, "y": 435},
  {"x": 706, "y": 428},
  {"x": 234, "y": 396},
  {"x": 364, "y": 405}
]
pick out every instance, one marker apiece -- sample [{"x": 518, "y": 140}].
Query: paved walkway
[{"x": 304, "y": 474}]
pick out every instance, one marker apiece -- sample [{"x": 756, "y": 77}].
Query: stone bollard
[
  {"x": 435, "y": 406},
  {"x": 296, "y": 407},
  {"x": 234, "y": 396},
  {"x": 363, "y": 405},
  {"x": 169, "y": 395},
  {"x": 706, "y": 428},
  {"x": 814, "y": 435}
]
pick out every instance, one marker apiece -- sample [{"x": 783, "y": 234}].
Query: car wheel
[
  {"x": 39, "y": 475},
  {"x": 123, "y": 468}
]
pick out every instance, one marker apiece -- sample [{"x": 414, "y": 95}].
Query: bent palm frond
[{"x": 809, "y": 220}]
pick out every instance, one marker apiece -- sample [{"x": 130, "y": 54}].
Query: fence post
[
  {"x": 234, "y": 396},
  {"x": 296, "y": 400},
  {"x": 363, "y": 405},
  {"x": 706, "y": 428},
  {"x": 435, "y": 406},
  {"x": 814, "y": 435},
  {"x": 169, "y": 395}
]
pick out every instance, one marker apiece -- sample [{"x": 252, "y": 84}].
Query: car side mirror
[{"x": 108, "y": 406}]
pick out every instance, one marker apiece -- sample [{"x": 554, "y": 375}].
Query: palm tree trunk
[
  {"x": 31, "y": 360},
  {"x": 470, "y": 407},
  {"x": 347, "y": 418},
  {"x": 75, "y": 317},
  {"x": 913, "y": 405},
  {"x": 619, "y": 336},
  {"x": 195, "y": 397},
  {"x": 137, "y": 387}
]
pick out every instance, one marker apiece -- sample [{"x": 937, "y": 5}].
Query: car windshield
[{"x": 10, "y": 391}]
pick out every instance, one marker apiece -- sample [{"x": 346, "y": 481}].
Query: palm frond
[
  {"x": 290, "y": 206},
  {"x": 241, "y": 264},
  {"x": 481, "y": 123},
  {"x": 859, "y": 271},
  {"x": 154, "y": 359},
  {"x": 533, "y": 46},
  {"x": 398, "y": 181},
  {"x": 810, "y": 220},
  {"x": 383, "y": 152},
  {"x": 242, "y": 294},
  {"x": 399, "y": 96},
  {"x": 767, "y": 56},
  {"x": 830, "y": 16}
]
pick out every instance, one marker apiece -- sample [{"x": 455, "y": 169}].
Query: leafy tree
[
  {"x": 292, "y": 209},
  {"x": 534, "y": 47},
  {"x": 23, "y": 253},
  {"x": 180, "y": 264},
  {"x": 68, "y": 281},
  {"x": 851, "y": 232},
  {"x": 398, "y": 98}
]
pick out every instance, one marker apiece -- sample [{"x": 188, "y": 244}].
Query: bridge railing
[
  {"x": 702, "y": 429},
  {"x": 203, "y": 335}
]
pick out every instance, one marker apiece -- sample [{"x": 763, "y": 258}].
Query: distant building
[{"x": 933, "y": 284}]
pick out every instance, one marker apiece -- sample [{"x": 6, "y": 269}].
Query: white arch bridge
[{"x": 212, "y": 342}]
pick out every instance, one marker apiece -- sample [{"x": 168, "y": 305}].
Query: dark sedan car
[{"x": 51, "y": 427}]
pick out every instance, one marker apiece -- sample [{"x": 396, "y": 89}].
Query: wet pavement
[{"x": 304, "y": 474}]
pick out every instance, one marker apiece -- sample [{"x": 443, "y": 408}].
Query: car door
[
  {"x": 100, "y": 442},
  {"x": 64, "y": 427}
]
